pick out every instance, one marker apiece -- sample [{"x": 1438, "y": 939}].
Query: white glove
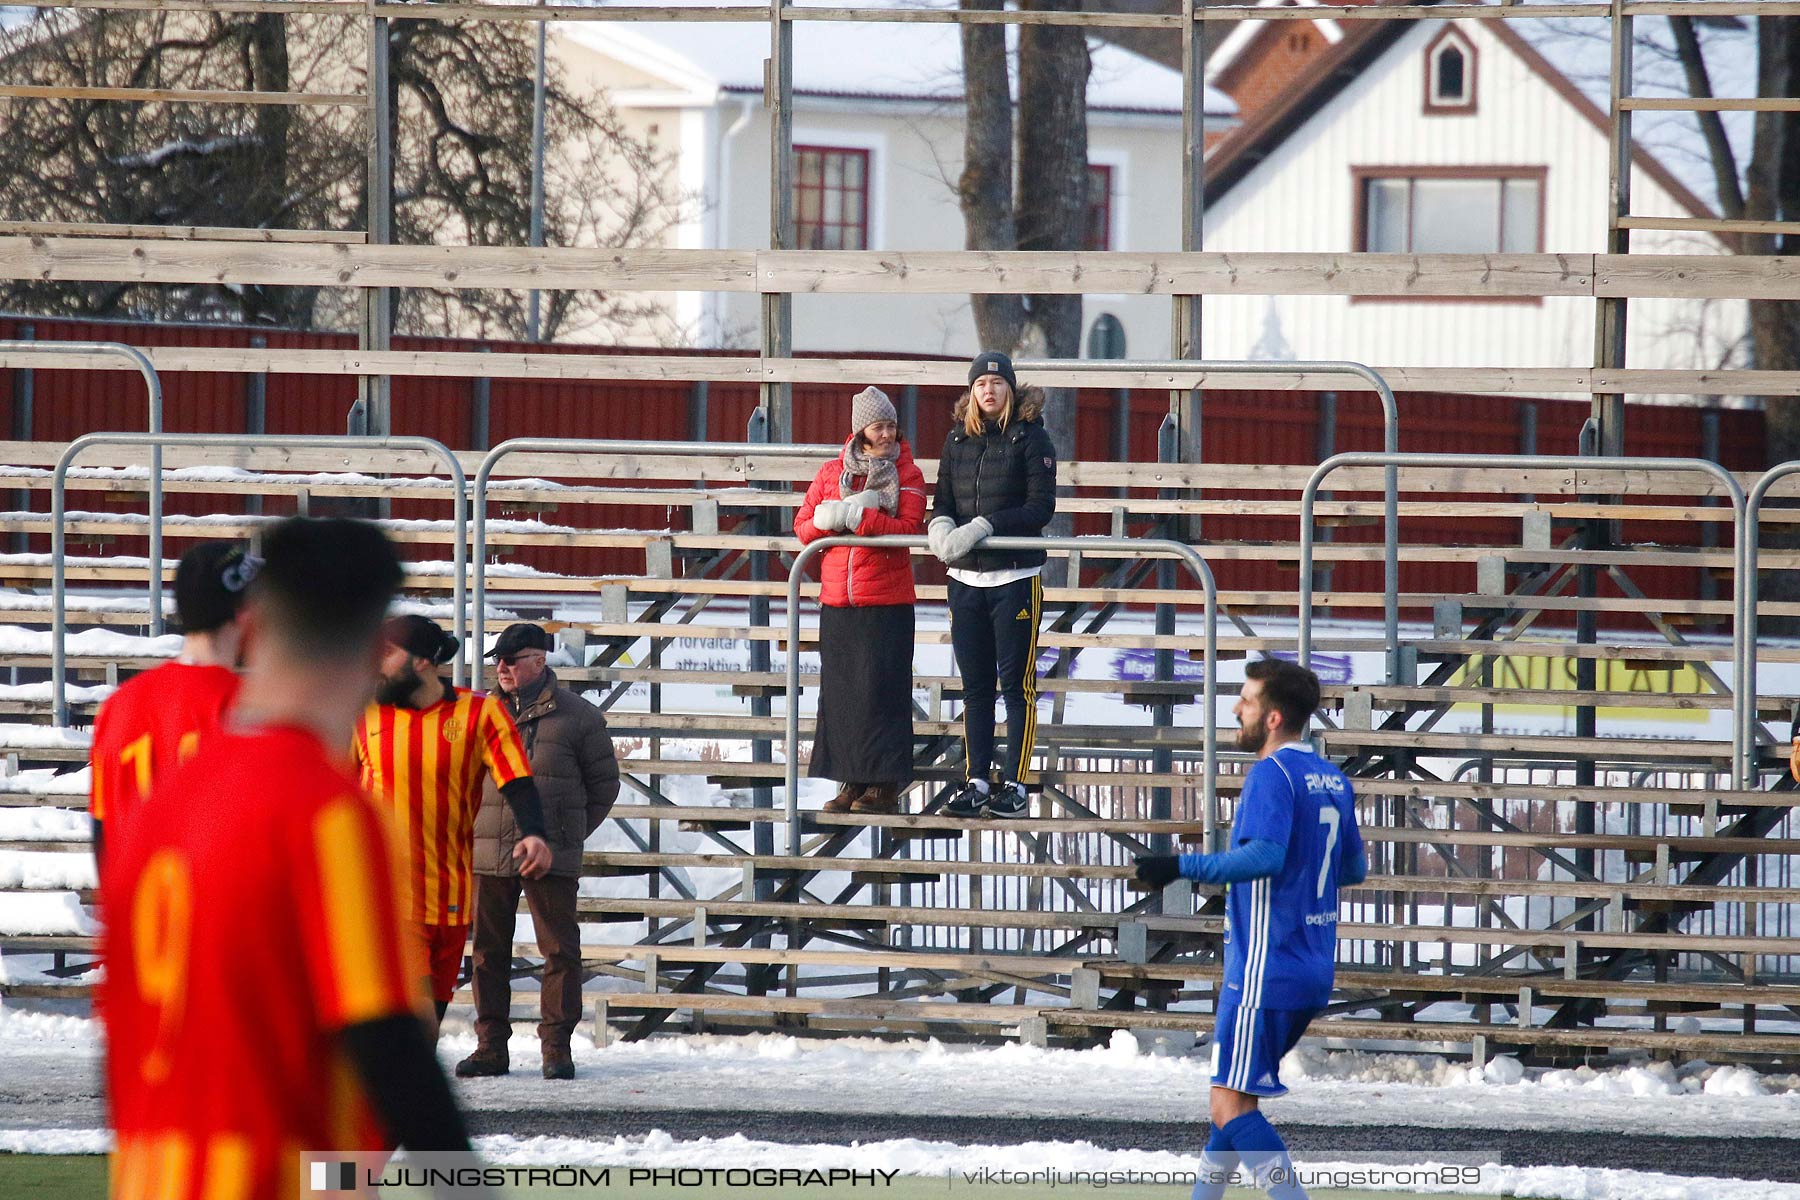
[
  {"x": 851, "y": 512},
  {"x": 829, "y": 516},
  {"x": 937, "y": 533},
  {"x": 965, "y": 538}
]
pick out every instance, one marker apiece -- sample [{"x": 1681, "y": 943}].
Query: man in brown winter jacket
[{"x": 577, "y": 776}]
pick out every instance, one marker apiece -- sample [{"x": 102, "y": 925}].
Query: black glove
[{"x": 1158, "y": 870}]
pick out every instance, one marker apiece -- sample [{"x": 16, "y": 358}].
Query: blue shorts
[{"x": 1249, "y": 1044}]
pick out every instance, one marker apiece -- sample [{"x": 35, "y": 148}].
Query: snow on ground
[
  {"x": 1119, "y": 1082},
  {"x": 54, "y": 1059},
  {"x": 912, "y": 1156}
]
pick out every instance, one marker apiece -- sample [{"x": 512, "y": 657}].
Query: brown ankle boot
[
  {"x": 845, "y": 800},
  {"x": 882, "y": 798}
]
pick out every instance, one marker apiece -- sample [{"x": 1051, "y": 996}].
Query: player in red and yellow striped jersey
[
  {"x": 424, "y": 747},
  {"x": 156, "y": 720},
  {"x": 258, "y": 997}
]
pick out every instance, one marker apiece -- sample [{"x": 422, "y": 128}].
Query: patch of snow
[
  {"x": 46, "y": 872},
  {"x": 45, "y": 825},
  {"x": 56, "y": 1141},
  {"x": 48, "y": 914},
  {"x": 89, "y": 643},
  {"x": 74, "y": 693},
  {"x": 43, "y": 737},
  {"x": 184, "y": 148},
  {"x": 45, "y": 781}
]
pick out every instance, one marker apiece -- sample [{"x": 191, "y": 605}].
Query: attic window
[{"x": 1450, "y": 74}]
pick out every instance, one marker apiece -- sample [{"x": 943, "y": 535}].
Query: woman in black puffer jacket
[{"x": 996, "y": 475}]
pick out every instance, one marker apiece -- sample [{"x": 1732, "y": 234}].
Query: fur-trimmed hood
[{"x": 1029, "y": 405}]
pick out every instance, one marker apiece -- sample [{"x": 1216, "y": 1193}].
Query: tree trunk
[
  {"x": 1772, "y": 193},
  {"x": 985, "y": 190},
  {"x": 274, "y": 131}
]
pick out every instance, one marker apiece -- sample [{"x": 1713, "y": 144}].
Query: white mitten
[
  {"x": 937, "y": 533},
  {"x": 829, "y": 515},
  {"x": 850, "y": 515},
  {"x": 966, "y": 537}
]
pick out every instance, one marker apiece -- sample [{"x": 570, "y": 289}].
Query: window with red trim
[
  {"x": 1099, "y": 208},
  {"x": 831, "y": 198},
  {"x": 1461, "y": 213}
]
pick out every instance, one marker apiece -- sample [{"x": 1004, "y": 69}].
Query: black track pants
[{"x": 994, "y": 631}]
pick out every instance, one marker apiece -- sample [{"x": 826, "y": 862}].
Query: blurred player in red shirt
[
  {"x": 258, "y": 997},
  {"x": 424, "y": 747},
  {"x": 155, "y": 721}
]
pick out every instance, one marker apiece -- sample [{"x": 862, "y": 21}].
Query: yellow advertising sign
[{"x": 1555, "y": 673}]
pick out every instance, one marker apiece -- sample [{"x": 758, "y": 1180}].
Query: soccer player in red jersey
[
  {"x": 258, "y": 997},
  {"x": 424, "y": 747},
  {"x": 156, "y": 720}
]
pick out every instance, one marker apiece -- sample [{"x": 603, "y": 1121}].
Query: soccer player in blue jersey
[{"x": 1294, "y": 844}]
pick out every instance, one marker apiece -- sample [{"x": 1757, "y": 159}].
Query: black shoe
[
  {"x": 487, "y": 1060},
  {"x": 1008, "y": 800},
  {"x": 557, "y": 1063},
  {"x": 966, "y": 803}
]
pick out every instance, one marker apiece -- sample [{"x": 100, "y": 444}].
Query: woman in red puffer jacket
[{"x": 864, "y": 731}]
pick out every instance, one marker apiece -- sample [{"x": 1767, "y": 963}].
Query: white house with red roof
[{"x": 1446, "y": 136}]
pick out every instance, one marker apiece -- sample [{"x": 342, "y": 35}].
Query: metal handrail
[
  {"x": 59, "y": 480},
  {"x": 587, "y": 446},
  {"x": 1390, "y": 441},
  {"x": 1105, "y": 546},
  {"x": 1743, "y": 707},
  {"x": 1750, "y": 561},
  {"x": 153, "y": 385}
]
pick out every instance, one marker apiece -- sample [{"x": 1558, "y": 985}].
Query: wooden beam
[
  {"x": 1761, "y": 277},
  {"x": 456, "y": 267},
  {"x": 1175, "y": 274},
  {"x": 1710, "y": 104},
  {"x": 22, "y": 91},
  {"x": 857, "y": 272},
  {"x": 1709, "y": 225},
  {"x": 188, "y": 233}
]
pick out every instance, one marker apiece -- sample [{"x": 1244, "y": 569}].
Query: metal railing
[
  {"x": 153, "y": 386},
  {"x": 59, "y": 479},
  {"x": 1743, "y": 702},
  {"x": 589, "y": 446},
  {"x": 1748, "y": 587},
  {"x": 1105, "y": 547},
  {"x": 1390, "y": 442}
]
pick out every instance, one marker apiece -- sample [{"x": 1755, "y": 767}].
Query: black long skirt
[{"x": 865, "y": 695}]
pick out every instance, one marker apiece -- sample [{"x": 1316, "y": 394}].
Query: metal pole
[
  {"x": 1748, "y": 558},
  {"x": 1102, "y": 546},
  {"x": 20, "y": 350},
  {"x": 58, "y": 488},
  {"x": 1610, "y": 311},
  {"x": 1743, "y": 651},
  {"x": 537, "y": 174},
  {"x": 778, "y": 308},
  {"x": 377, "y": 332}
]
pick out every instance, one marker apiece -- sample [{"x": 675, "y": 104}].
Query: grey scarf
[{"x": 878, "y": 471}]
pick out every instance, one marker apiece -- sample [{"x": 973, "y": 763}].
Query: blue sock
[
  {"x": 1216, "y": 1166},
  {"x": 1265, "y": 1155}
]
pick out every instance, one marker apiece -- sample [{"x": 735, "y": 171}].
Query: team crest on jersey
[{"x": 453, "y": 731}]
